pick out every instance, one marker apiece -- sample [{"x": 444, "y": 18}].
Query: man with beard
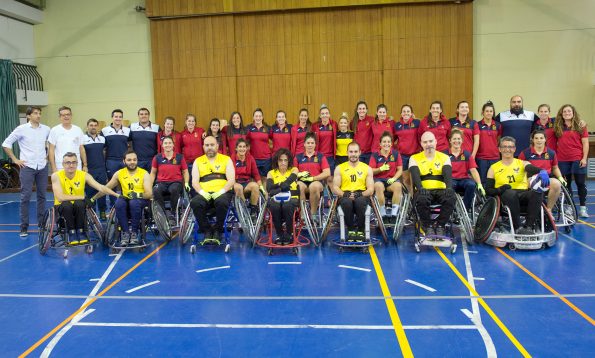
[
  {"x": 213, "y": 176},
  {"x": 517, "y": 123},
  {"x": 353, "y": 183},
  {"x": 136, "y": 192},
  {"x": 95, "y": 148},
  {"x": 143, "y": 135},
  {"x": 431, "y": 174}
]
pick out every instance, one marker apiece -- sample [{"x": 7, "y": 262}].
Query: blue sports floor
[{"x": 480, "y": 301}]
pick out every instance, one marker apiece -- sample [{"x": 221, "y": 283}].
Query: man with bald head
[
  {"x": 431, "y": 173},
  {"x": 213, "y": 176}
]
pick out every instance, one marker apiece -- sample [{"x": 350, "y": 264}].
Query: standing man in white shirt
[
  {"x": 32, "y": 139},
  {"x": 65, "y": 138}
]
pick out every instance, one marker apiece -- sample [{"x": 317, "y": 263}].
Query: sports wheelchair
[
  {"x": 248, "y": 223},
  {"x": 53, "y": 233},
  {"x": 494, "y": 227},
  {"x": 396, "y": 223},
  {"x": 459, "y": 220},
  {"x": 113, "y": 231},
  {"x": 170, "y": 219},
  {"x": 316, "y": 225}
]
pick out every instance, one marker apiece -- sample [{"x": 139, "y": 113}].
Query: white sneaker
[
  {"x": 382, "y": 211},
  {"x": 582, "y": 212}
]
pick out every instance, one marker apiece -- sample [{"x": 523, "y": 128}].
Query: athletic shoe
[
  {"x": 525, "y": 231},
  {"x": 124, "y": 239},
  {"x": 102, "y": 216},
  {"x": 440, "y": 230},
  {"x": 360, "y": 236},
  {"x": 23, "y": 232},
  {"x": 133, "y": 238},
  {"x": 582, "y": 212},
  {"x": 72, "y": 238},
  {"x": 278, "y": 240}
]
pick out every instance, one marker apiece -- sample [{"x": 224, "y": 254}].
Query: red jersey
[
  {"x": 363, "y": 133},
  {"x": 314, "y": 164},
  {"x": 379, "y": 127},
  {"x": 326, "y": 137},
  {"x": 393, "y": 159},
  {"x": 407, "y": 137},
  {"x": 169, "y": 170},
  {"x": 461, "y": 164},
  {"x": 246, "y": 170},
  {"x": 551, "y": 141},
  {"x": 231, "y": 141},
  {"x": 259, "y": 141},
  {"x": 281, "y": 137},
  {"x": 176, "y": 136},
  {"x": 469, "y": 129},
  {"x": 570, "y": 146},
  {"x": 488, "y": 140},
  {"x": 298, "y": 134},
  {"x": 441, "y": 130},
  {"x": 192, "y": 144},
  {"x": 545, "y": 160}
]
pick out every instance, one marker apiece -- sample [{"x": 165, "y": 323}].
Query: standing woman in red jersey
[
  {"x": 191, "y": 142},
  {"x": 380, "y": 125},
  {"x": 169, "y": 131},
  {"x": 438, "y": 124},
  {"x": 407, "y": 140},
  {"x": 298, "y": 132},
  {"x": 281, "y": 132},
  {"x": 361, "y": 124},
  {"x": 573, "y": 149},
  {"x": 234, "y": 131},
  {"x": 215, "y": 131},
  {"x": 490, "y": 132},
  {"x": 546, "y": 124},
  {"x": 259, "y": 135},
  {"x": 326, "y": 131},
  {"x": 468, "y": 126}
]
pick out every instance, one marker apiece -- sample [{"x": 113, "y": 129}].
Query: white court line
[
  {"x": 17, "y": 253},
  {"x": 415, "y": 283},
  {"x": 94, "y": 279},
  {"x": 269, "y": 326},
  {"x": 8, "y": 202},
  {"x": 213, "y": 269},
  {"x": 579, "y": 242},
  {"x": 48, "y": 349},
  {"x": 479, "y": 278},
  {"x": 472, "y": 252},
  {"x": 285, "y": 263},
  {"x": 142, "y": 286},
  {"x": 355, "y": 268}
]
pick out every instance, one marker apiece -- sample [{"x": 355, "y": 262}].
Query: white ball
[
  {"x": 282, "y": 197},
  {"x": 536, "y": 184}
]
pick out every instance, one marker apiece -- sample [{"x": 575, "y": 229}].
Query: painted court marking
[
  {"x": 285, "y": 263},
  {"x": 355, "y": 268},
  {"x": 142, "y": 286},
  {"x": 479, "y": 278},
  {"x": 18, "y": 253},
  {"x": 579, "y": 242},
  {"x": 415, "y": 283},
  {"x": 8, "y": 202},
  {"x": 213, "y": 269}
]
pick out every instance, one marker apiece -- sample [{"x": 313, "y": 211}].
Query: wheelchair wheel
[
  {"x": 487, "y": 218},
  {"x": 478, "y": 203},
  {"x": 465, "y": 226},
  {"x": 329, "y": 220},
  {"x": 46, "y": 230},
  {"x": 403, "y": 213},
  {"x": 111, "y": 229},
  {"x": 161, "y": 220},
  {"x": 94, "y": 224},
  {"x": 187, "y": 225},
  {"x": 307, "y": 219},
  {"x": 379, "y": 221},
  {"x": 564, "y": 212},
  {"x": 549, "y": 224}
]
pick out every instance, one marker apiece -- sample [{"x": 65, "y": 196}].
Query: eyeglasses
[
  {"x": 507, "y": 147},
  {"x": 70, "y": 163}
]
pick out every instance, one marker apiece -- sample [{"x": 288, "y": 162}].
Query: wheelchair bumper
[{"x": 522, "y": 242}]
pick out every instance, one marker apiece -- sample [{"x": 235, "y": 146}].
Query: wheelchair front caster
[
  {"x": 193, "y": 249},
  {"x": 453, "y": 248},
  {"x": 65, "y": 254},
  {"x": 417, "y": 248},
  {"x": 227, "y": 248},
  {"x": 567, "y": 229},
  {"x": 89, "y": 249},
  {"x": 270, "y": 252},
  {"x": 512, "y": 247},
  {"x": 365, "y": 250}
]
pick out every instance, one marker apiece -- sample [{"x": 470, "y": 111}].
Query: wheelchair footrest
[{"x": 436, "y": 241}]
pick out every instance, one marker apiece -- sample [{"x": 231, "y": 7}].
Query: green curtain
[{"x": 9, "y": 113}]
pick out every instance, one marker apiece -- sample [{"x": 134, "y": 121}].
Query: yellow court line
[
  {"x": 586, "y": 223},
  {"x": 549, "y": 288},
  {"x": 90, "y": 302},
  {"x": 485, "y": 306},
  {"x": 392, "y": 309}
]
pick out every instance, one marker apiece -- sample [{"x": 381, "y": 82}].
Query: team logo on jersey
[
  {"x": 412, "y": 125},
  {"x": 315, "y": 159},
  {"x": 462, "y": 156},
  {"x": 217, "y": 167},
  {"x": 359, "y": 173},
  {"x": 136, "y": 180},
  {"x": 546, "y": 156},
  {"x": 467, "y": 125},
  {"x": 550, "y": 125},
  {"x": 77, "y": 183},
  {"x": 391, "y": 158},
  {"x": 285, "y": 129},
  {"x": 174, "y": 161},
  {"x": 493, "y": 127},
  {"x": 437, "y": 165},
  {"x": 516, "y": 170},
  {"x": 500, "y": 170}
]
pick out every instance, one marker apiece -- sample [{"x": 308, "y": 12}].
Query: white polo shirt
[
  {"x": 66, "y": 140},
  {"x": 32, "y": 144}
]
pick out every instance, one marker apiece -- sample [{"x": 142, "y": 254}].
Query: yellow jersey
[
  {"x": 353, "y": 178},
  {"x": 74, "y": 186},
  {"x": 279, "y": 178},
  {"x": 212, "y": 174},
  {"x": 431, "y": 170},
  {"x": 132, "y": 183},
  {"x": 513, "y": 175},
  {"x": 343, "y": 140}
]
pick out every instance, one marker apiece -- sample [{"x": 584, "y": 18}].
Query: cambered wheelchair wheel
[
  {"x": 161, "y": 220},
  {"x": 402, "y": 217},
  {"x": 379, "y": 220},
  {"x": 111, "y": 229},
  {"x": 465, "y": 226},
  {"x": 46, "y": 230},
  {"x": 487, "y": 219},
  {"x": 564, "y": 212},
  {"x": 187, "y": 225},
  {"x": 94, "y": 224}
]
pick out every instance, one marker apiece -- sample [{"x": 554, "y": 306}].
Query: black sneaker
[
  {"x": 24, "y": 232},
  {"x": 287, "y": 239},
  {"x": 73, "y": 238},
  {"x": 440, "y": 230},
  {"x": 278, "y": 240},
  {"x": 360, "y": 236},
  {"x": 525, "y": 231}
]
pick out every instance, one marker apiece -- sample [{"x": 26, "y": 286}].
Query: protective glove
[
  {"x": 503, "y": 188},
  {"x": 307, "y": 179},
  {"x": 284, "y": 186},
  {"x": 357, "y": 194},
  {"x": 303, "y": 174},
  {"x": 346, "y": 194},
  {"x": 89, "y": 202},
  {"x": 262, "y": 190},
  {"x": 217, "y": 194},
  {"x": 135, "y": 195},
  {"x": 481, "y": 190},
  {"x": 545, "y": 177},
  {"x": 562, "y": 180},
  {"x": 390, "y": 181},
  {"x": 205, "y": 195},
  {"x": 384, "y": 167},
  {"x": 187, "y": 187}
]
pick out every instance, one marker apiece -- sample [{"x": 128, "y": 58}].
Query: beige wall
[
  {"x": 94, "y": 56},
  {"x": 543, "y": 50}
]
